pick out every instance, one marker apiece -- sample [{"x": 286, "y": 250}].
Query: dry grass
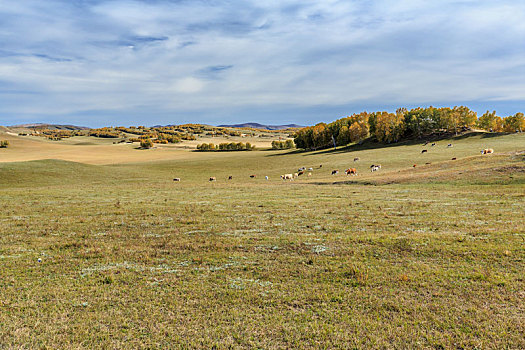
[
  {"x": 91, "y": 150},
  {"x": 131, "y": 259}
]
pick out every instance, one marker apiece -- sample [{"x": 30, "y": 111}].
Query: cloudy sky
[{"x": 124, "y": 62}]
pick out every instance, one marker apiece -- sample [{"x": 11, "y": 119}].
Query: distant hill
[
  {"x": 49, "y": 126},
  {"x": 261, "y": 126}
]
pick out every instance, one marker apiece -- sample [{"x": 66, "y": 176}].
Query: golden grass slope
[{"x": 91, "y": 150}]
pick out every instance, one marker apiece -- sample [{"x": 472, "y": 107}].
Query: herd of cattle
[{"x": 350, "y": 171}]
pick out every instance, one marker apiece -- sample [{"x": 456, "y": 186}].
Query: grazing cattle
[
  {"x": 351, "y": 171},
  {"x": 487, "y": 151},
  {"x": 176, "y": 179},
  {"x": 356, "y": 159},
  {"x": 309, "y": 174},
  {"x": 335, "y": 172},
  {"x": 301, "y": 169},
  {"x": 266, "y": 177},
  {"x": 449, "y": 145},
  {"x": 454, "y": 158},
  {"x": 295, "y": 175},
  {"x": 428, "y": 163},
  {"x": 300, "y": 173},
  {"x": 375, "y": 168},
  {"x": 433, "y": 144},
  {"x": 252, "y": 176},
  {"x": 415, "y": 165},
  {"x": 213, "y": 178},
  {"x": 320, "y": 166},
  {"x": 230, "y": 177},
  {"x": 424, "y": 151},
  {"x": 287, "y": 177},
  {"x": 310, "y": 169}
]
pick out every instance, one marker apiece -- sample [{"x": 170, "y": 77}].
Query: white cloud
[
  {"x": 194, "y": 57},
  {"x": 188, "y": 85}
]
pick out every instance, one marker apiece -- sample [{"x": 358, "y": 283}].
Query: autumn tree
[
  {"x": 514, "y": 123},
  {"x": 389, "y": 127},
  {"x": 488, "y": 121},
  {"x": 146, "y": 143}
]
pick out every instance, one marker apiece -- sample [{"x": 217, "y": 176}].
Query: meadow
[{"x": 100, "y": 248}]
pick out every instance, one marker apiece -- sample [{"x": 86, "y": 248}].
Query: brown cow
[
  {"x": 351, "y": 171},
  {"x": 252, "y": 176},
  {"x": 213, "y": 178}
]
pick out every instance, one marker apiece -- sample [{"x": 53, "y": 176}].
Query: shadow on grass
[
  {"x": 296, "y": 151},
  {"x": 348, "y": 182},
  {"x": 368, "y": 144}
]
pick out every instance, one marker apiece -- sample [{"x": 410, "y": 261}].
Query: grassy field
[{"x": 426, "y": 257}]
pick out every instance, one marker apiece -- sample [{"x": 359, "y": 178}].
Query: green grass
[{"x": 425, "y": 257}]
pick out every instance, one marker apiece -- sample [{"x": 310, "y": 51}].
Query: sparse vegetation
[{"x": 4, "y": 144}]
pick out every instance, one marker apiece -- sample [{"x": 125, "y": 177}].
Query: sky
[{"x": 123, "y": 62}]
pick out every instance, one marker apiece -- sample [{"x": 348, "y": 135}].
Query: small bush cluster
[
  {"x": 146, "y": 143},
  {"x": 4, "y": 144},
  {"x": 232, "y": 146},
  {"x": 283, "y": 144}
]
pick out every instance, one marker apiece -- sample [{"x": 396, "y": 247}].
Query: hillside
[
  {"x": 117, "y": 256},
  {"x": 48, "y": 126},
  {"x": 261, "y": 126}
]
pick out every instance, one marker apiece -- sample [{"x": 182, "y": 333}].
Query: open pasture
[
  {"x": 104, "y": 151},
  {"x": 431, "y": 256}
]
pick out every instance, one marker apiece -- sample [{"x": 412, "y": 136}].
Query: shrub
[
  {"x": 146, "y": 143},
  {"x": 4, "y": 144},
  {"x": 282, "y": 144},
  {"x": 232, "y": 146}
]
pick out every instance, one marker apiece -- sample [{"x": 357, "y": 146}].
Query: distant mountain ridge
[
  {"x": 261, "y": 126},
  {"x": 49, "y": 126}
]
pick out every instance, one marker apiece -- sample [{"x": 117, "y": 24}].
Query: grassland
[
  {"x": 425, "y": 257},
  {"x": 103, "y": 151}
]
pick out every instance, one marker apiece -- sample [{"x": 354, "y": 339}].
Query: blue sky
[{"x": 122, "y": 62}]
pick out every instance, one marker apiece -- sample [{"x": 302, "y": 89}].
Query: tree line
[
  {"x": 232, "y": 146},
  {"x": 403, "y": 124},
  {"x": 282, "y": 144}
]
